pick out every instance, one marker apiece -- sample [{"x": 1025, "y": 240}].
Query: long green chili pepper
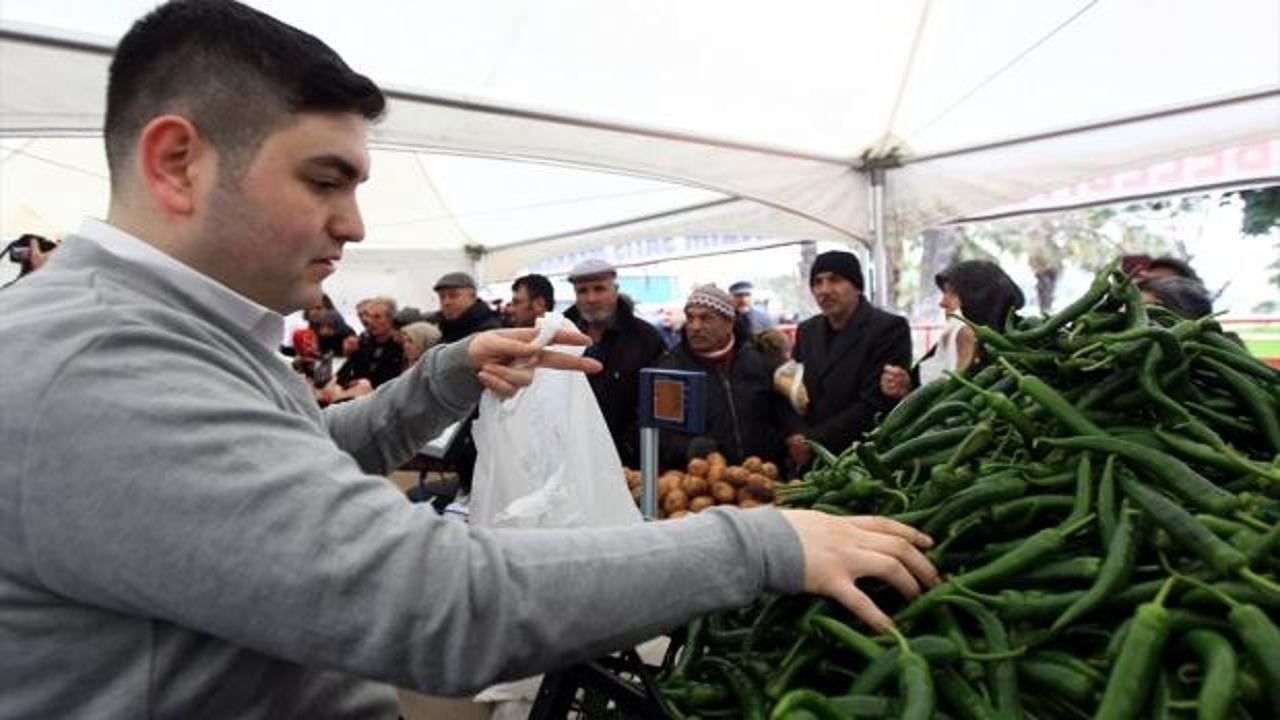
[
  {"x": 1184, "y": 529},
  {"x": 1031, "y": 551},
  {"x": 1097, "y": 289},
  {"x": 805, "y": 699},
  {"x": 915, "y": 447},
  {"x": 1261, "y": 640},
  {"x": 692, "y": 648},
  {"x": 1218, "y": 658},
  {"x": 1259, "y": 402},
  {"x": 910, "y": 407},
  {"x": 1169, "y": 471},
  {"x": 1055, "y": 404},
  {"x": 977, "y": 496},
  {"x": 1226, "y": 459},
  {"x": 1230, "y": 354},
  {"x": 750, "y": 700},
  {"x": 1115, "y": 573},
  {"x": 1069, "y": 682},
  {"x": 846, "y": 637},
  {"x": 1003, "y": 674},
  {"x": 782, "y": 681},
  {"x": 1133, "y": 674},
  {"x": 915, "y": 682},
  {"x": 961, "y": 698},
  {"x": 1084, "y": 488}
]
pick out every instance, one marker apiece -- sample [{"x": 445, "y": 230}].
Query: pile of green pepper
[{"x": 1104, "y": 494}]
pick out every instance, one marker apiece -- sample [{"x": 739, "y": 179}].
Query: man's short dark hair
[
  {"x": 1181, "y": 268},
  {"x": 536, "y": 286},
  {"x": 237, "y": 74},
  {"x": 1186, "y": 297}
]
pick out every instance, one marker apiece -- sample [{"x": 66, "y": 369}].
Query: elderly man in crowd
[
  {"x": 621, "y": 341},
  {"x": 379, "y": 357},
  {"x": 462, "y": 313},
  {"x": 744, "y": 415},
  {"x": 757, "y": 320},
  {"x": 844, "y": 351}
]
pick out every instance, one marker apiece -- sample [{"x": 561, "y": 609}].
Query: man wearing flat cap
[
  {"x": 757, "y": 319},
  {"x": 745, "y": 416},
  {"x": 622, "y": 342},
  {"x": 461, "y": 312},
  {"x": 844, "y": 351}
]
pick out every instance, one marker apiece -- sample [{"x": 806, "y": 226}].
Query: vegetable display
[{"x": 1104, "y": 496}]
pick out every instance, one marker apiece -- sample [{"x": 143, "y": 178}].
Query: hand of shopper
[
  {"x": 798, "y": 450},
  {"x": 895, "y": 382},
  {"x": 840, "y": 550},
  {"x": 493, "y": 353}
]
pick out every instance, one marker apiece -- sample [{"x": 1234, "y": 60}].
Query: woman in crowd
[
  {"x": 976, "y": 290},
  {"x": 418, "y": 338}
]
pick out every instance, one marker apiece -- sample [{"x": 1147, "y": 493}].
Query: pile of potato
[{"x": 710, "y": 481}]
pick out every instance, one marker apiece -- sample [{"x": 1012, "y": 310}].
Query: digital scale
[{"x": 673, "y": 400}]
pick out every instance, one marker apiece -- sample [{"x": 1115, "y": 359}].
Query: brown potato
[
  {"x": 679, "y": 514},
  {"x": 716, "y": 458},
  {"x": 715, "y": 473},
  {"x": 769, "y": 470},
  {"x": 723, "y": 492},
  {"x": 701, "y": 503},
  {"x": 694, "y": 486},
  {"x": 735, "y": 476},
  {"x": 675, "y": 500},
  {"x": 748, "y": 503},
  {"x": 752, "y": 464},
  {"x": 758, "y": 479},
  {"x": 759, "y": 493},
  {"x": 698, "y": 466},
  {"x": 668, "y": 482},
  {"x": 636, "y": 492}
]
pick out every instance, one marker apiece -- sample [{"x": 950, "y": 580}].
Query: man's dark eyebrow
[{"x": 348, "y": 171}]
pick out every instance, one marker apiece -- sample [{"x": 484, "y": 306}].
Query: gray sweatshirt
[{"x": 183, "y": 533}]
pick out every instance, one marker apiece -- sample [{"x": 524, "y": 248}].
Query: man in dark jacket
[
  {"x": 623, "y": 342},
  {"x": 844, "y": 351},
  {"x": 745, "y": 416},
  {"x": 461, "y": 312}
]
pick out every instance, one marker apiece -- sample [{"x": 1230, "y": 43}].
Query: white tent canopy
[{"x": 634, "y": 119}]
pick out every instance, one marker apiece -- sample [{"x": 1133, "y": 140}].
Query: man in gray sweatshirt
[{"x": 183, "y": 533}]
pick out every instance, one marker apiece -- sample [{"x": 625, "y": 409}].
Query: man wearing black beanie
[{"x": 844, "y": 351}]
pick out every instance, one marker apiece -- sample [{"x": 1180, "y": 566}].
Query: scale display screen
[{"x": 673, "y": 400}]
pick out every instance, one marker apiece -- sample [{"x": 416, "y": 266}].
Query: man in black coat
[
  {"x": 461, "y": 313},
  {"x": 745, "y": 416},
  {"x": 623, "y": 342},
  {"x": 844, "y": 351}
]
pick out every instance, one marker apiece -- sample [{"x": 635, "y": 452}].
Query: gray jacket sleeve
[
  {"x": 382, "y": 431},
  {"x": 192, "y": 499}
]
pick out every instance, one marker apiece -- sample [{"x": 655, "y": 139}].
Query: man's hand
[
  {"x": 494, "y": 352},
  {"x": 895, "y": 382},
  {"x": 799, "y": 450},
  {"x": 839, "y": 550}
]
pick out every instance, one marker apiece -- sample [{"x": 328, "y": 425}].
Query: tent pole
[{"x": 879, "y": 253}]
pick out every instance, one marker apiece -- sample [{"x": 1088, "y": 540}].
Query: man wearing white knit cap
[{"x": 745, "y": 416}]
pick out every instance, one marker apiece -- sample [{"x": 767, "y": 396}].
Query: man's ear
[{"x": 172, "y": 159}]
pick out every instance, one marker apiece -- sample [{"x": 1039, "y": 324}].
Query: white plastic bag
[{"x": 544, "y": 458}]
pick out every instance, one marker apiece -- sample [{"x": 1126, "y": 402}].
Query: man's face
[
  {"x": 455, "y": 301},
  {"x": 278, "y": 230},
  {"x": 523, "y": 310},
  {"x": 742, "y": 301},
  {"x": 835, "y": 295},
  {"x": 706, "y": 330},
  {"x": 380, "y": 322},
  {"x": 597, "y": 300}
]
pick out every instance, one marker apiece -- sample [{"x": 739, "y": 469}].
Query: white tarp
[{"x": 767, "y": 107}]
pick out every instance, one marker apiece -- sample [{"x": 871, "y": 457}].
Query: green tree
[{"x": 1262, "y": 215}]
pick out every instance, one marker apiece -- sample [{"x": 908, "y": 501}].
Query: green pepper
[{"x": 1133, "y": 674}]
